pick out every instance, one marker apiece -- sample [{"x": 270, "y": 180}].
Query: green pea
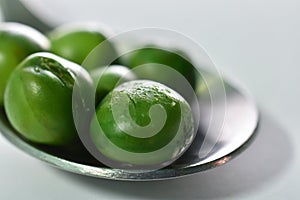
[
  {"x": 76, "y": 42},
  {"x": 142, "y": 123},
  {"x": 17, "y": 41},
  {"x": 38, "y": 98},
  {"x": 152, "y": 55},
  {"x": 107, "y": 78}
]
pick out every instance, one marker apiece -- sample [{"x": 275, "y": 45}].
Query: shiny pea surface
[
  {"x": 38, "y": 99},
  {"x": 142, "y": 122}
]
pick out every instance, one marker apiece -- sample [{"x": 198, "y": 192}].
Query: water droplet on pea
[{"x": 36, "y": 69}]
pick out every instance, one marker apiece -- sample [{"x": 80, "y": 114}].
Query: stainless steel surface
[
  {"x": 17, "y": 11},
  {"x": 239, "y": 127}
]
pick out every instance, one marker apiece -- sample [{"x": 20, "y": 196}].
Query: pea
[
  {"x": 108, "y": 78},
  {"x": 17, "y": 41},
  {"x": 38, "y": 98},
  {"x": 75, "y": 42},
  {"x": 142, "y": 123},
  {"x": 151, "y": 55}
]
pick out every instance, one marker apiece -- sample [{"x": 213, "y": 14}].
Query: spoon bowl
[
  {"x": 242, "y": 119},
  {"x": 207, "y": 151}
]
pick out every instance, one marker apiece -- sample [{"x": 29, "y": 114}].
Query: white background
[{"x": 255, "y": 41}]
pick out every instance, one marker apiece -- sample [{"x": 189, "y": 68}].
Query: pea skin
[{"x": 42, "y": 86}]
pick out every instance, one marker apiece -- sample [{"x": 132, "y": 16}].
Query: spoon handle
[{"x": 16, "y": 11}]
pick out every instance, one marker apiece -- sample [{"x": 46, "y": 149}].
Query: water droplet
[
  {"x": 36, "y": 69},
  {"x": 173, "y": 104}
]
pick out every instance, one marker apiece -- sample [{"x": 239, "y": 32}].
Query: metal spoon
[
  {"x": 18, "y": 11},
  {"x": 240, "y": 124},
  {"x": 242, "y": 120}
]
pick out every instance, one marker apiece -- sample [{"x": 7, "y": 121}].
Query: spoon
[
  {"x": 9, "y": 8},
  {"x": 242, "y": 119},
  {"x": 206, "y": 151}
]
